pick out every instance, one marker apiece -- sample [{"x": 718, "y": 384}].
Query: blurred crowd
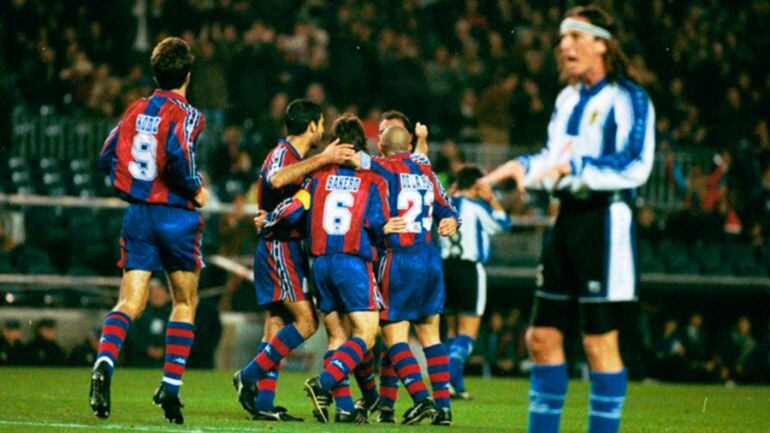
[
  {"x": 688, "y": 350},
  {"x": 144, "y": 346},
  {"x": 475, "y": 70}
]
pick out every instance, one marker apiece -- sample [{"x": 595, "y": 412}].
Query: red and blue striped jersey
[
  {"x": 414, "y": 193},
  {"x": 345, "y": 211},
  {"x": 268, "y": 197},
  {"x": 150, "y": 155}
]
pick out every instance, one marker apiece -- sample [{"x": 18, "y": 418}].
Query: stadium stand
[{"x": 480, "y": 73}]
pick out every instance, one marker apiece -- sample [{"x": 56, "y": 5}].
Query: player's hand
[
  {"x": 485, "y": 191},
  {"x": 550, "y": 177},
  {"x": 395, "y": 225},
  {"x": 260, "y": 220},
  {"x": 447, "y": 227},
  {"x": 201, "y": 198},
  {"x": 338, "y": 153},
  {"x": 421, "y": 131}
]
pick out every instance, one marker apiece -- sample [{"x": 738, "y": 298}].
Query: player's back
[
  {"x": 347, "y": 212},
  {"x": 413, "y": 193},
  {"x": 150, "y": 155}
]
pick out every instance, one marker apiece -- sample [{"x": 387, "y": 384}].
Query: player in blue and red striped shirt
[
  {"x": 150, "y": 158},
  {"x": 411, "y": 277},
  {"x": 280, "y": 265},
  {"x": 346, "y": 214}
]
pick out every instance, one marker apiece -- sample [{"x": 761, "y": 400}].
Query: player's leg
[
  {"x": 466, "y": 295},
  {"x": 180, "y": 334},
  {"x": 436, "y": 357},
  {"x": 344, "y": 360},
  {"x": 545, "y": 336},
  {"x": 344, "y": 283},
  {"x": 139, "y": 256},
  {"x": 291, "y": 291},
  {"x": 131, "y": 302},
  {"x": 264, "y": 401},
  {"x": 610, "y": 277},
  {"x": 337, "y": 333},
  {"x": 548, "y": 378}
]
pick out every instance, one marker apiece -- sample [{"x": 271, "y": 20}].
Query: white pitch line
[{"x": 132, "y": 427}]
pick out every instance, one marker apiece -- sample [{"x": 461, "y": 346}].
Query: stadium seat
[
  {"x": 676, "y": 258},
  {"x": 708, "y": 257}
]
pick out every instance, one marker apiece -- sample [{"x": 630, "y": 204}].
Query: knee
[
  {"x": 186, "y": 303},
  {"x": 600, "y": 347},
  {"x": 306, "y": 323},
  {"x": 543, "y": 341},
  {"x": 133, "y": 308}
]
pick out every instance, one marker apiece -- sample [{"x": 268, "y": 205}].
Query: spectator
[
  {"x": 85, "y": 353},
  {"x": 670, "y": 361},
  {"x": 741, "y": 352},
  {"x": 147, "y": 338},
  {"x": 43, "y": 349},
  {"x": 12, "y": 350}
]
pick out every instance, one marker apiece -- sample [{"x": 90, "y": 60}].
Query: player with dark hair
[
  {"x": 347, "y": 215},
  {"x": 280, "y": 266},
  {"x": 463, "y": 256},
  {"x": 150, "y": 158},
  {"x": 600, "y": 148}
]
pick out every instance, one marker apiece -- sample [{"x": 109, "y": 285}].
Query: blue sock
[
  {"x": 286, "y": 340},
  {"x": 461, "y": 348},
  {"x": 608, "y": 390},
  {"x": 341, "y": 392},
  {"x": 265, "y": 400},
  {"x": 547, "y": 389}
]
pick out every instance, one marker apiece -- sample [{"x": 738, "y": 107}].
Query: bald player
[{"x": 410, "y": 276}]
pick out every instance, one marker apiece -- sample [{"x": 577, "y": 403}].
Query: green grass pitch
[{"x": 43, "y": 400}]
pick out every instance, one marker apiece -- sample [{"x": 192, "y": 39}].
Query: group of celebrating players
[{"x": 359, "y": 228}]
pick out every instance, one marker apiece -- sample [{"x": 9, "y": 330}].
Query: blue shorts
[
  {"x": 412, "y": 283},
  {"x": 345, "y": 283},
  {"x": 156, "y": 237},
  {"x": 280, "y": 272}
]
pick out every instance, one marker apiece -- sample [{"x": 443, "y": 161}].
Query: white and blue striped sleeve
[
  {"x": 630, "y": 164},
  {"x": 492, "y": 221}
]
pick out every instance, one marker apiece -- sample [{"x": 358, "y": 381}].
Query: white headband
[{"x": 586, "y": 27}]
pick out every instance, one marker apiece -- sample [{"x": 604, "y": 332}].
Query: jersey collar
[
  {"x": 291, "y": 146},
  {"x": 593, "y": 90},
  {"x": 169, "y": 94}
]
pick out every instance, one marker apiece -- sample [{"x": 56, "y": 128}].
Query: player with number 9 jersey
[{"x": 150, "y": 159}]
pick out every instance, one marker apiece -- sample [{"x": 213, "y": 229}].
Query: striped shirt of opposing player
[
  {"x": 607, "y": 134},
  {"x": 480, "y": 221}
]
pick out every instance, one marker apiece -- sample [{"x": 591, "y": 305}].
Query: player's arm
[
  {"x": 378, "y": 221},
  {"x": 334, "y": 153},
  {"x": 447, "y": 216},
  {"x": 421, "y": 146},
  {"x": 290, "y": 210},
  {"x": 180, "y": 153},
  {"x": 107, "y": 155},
  {"x": 631, "y": 165},
  {"x": 492, "y": 216}
]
